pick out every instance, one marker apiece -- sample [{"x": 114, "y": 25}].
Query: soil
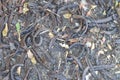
[{"x": 59, "y": 39}]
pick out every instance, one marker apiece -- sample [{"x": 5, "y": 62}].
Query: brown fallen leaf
[
  {"x": 73, "y": 40},
  {"x": 89, "y": 13}
]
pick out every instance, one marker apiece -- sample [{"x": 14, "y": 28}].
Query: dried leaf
[
  {"x": 64, "y": 36},
  {"x": 63, "y": 29},
  {"x": 51, "y": 35},
  {"x": 67, "y": 15},
  {"x": 108, "y": 56},
  {"x": 64, "y": 45},
  {"x": 93, "y": 6},
  {"x": 30, "y": 54},
  {"x": 105, "y": 50},
  {"x": 103, "y": 40},
  {"x": 74, "y": 40},
  {"x": 5, "y": 30},
  {"x": 18, "y": 70},
  {"x": 100, "y": 52},
  {"x": 25, "y": 8},
  {"x": 83, "y": 5},
  {"x": 88, "y": 44},
  {"x": 31, "y": 57},
  {"x": 88, "y": 13},
  {"x": 104, "y": 12},
  {"x": 33, "y": 60},
  {"x": 109, "y": 46},
  {"x": 58, "y": 29},
  {"x": 90, "y": 10},
  {"x": 95, "y": 30},
  {"x": 19, "y": 39},
  {"x": 93, "y": 46}
]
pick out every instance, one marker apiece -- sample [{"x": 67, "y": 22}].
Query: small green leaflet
[
  {"x": 18, "y": 26},
  {"x": 18, "y": 30}
]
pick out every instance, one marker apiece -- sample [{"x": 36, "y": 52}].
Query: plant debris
[{"x": 60, "y": 40}]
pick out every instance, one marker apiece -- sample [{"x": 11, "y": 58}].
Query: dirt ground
[{"x": 59, "y": 39}]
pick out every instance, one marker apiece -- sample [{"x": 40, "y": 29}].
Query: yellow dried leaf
[
  {"x": 104, "y": 12},
  {"x": 100, "y": 52},
  {"x": 93, "y": 6},
  {"x": 109, "y": 46},
  {"x": 67, "y": 15},
  {"x": 64, "y": 45},
  {"x": 51, "y": 35},
  {"x": 25, "y": 8},
  {"x": 5, "y": 30},
  {"x": 18, "y": 70},
  {"x": 31, "y": 57},
  {"x": 93, "y": 46},
  {"x": 33, "y": 60},
  {"x": 30, "y": 54}
]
